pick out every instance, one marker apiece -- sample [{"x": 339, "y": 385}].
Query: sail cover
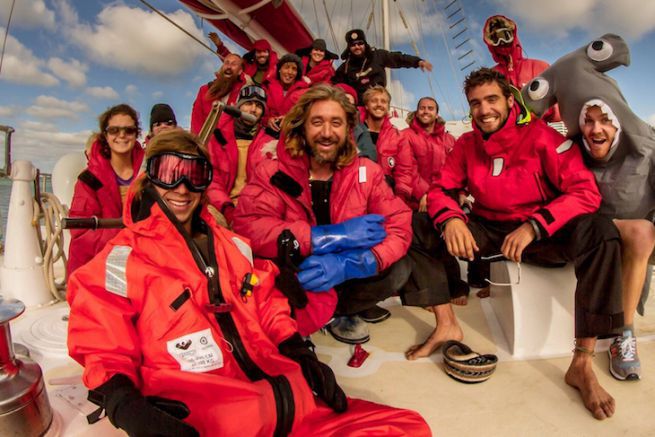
[{"x": 244, "y": 21}]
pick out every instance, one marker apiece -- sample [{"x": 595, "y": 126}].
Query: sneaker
[
  {"x": 375, "y": 314},
  {"x": 624, "y": 361},
  {"x": 349, "y": 329}
]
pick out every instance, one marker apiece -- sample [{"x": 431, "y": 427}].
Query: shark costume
[{"x": 577, "y": 81}]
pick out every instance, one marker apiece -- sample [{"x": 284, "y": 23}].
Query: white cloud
[
  {"x": 630, "y": 18},
  {"x": 8, "y": 111},
  {"x": 131, "y": 90},
  {"x": 73, "y": 71},
  {"x": 102, "y": 92},
  {"x": 651, "y": 120},
  {"x": 44, "y": 144},
  {"x": 400, "y": 97},
  {"x": 135, "y": 40},
  {"x": 27, "y": 13},
  {"x": 48, "y": 107},
  {"x": 157, "y": 94},
  {"x": 21, "y": 66}
]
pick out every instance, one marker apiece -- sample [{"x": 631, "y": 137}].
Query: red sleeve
[
  {"x": 198, "y": 113},
  {"x": 403, "y": 172},
  {"x": 441, "y": 206},
  {"x": 261, "y": 214},
  {"x": 95, "y": 313},
  {"x": 397, "y": 223},
  {"x": 566, "y": 171}
]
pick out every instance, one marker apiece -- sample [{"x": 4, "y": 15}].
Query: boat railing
[{"x": 6, "y": 164}]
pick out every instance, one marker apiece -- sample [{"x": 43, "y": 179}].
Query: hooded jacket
[
  {"x": 279, "y": 101},
  {"x": 278, "y": 197},
  {"x": 250, "y": 66},
  {"x": 517, "y": 69},
  {"x": 224, "y": 157},
  {"x": 183, "y": 331},
  {"x": 96, "y": 194},
  {"x": 429, "y": 151},
  {"x": 521, "y": 172},
  {"x": 395, "y": 160}
]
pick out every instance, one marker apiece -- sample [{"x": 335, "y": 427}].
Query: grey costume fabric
[{"x": 576, "y": 81}]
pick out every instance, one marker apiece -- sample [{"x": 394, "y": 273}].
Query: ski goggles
[
  {"x": 170, "y": 169},
  {"x": 500, "y": 36},
  {"x": 252, "y": 91}
]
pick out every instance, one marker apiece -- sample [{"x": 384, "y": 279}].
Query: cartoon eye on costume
[
  {"x": 538, "y": 88},
  {"x": 599, "y": 50}
]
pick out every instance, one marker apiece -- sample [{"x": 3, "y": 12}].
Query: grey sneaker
[
  {"x": 349, "y": 329},
  {"x": 624, "y": 360}
]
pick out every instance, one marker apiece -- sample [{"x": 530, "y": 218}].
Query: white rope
[{"x": 52, "y": 243}]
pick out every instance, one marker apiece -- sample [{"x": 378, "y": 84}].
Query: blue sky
[{"x": 66, "y": 61}]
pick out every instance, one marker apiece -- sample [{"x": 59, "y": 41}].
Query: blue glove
[
  {"x": 357, "y": 233},
  {"x": 323, "y": 272}
]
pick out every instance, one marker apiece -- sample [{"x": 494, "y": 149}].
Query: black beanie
[
  {"x": 290, "y": 57},
  {"x": 161, "y": 112}
]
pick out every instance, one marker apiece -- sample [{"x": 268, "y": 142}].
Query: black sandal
[{"x": 464, "y": 365}]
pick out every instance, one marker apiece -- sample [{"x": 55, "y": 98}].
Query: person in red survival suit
[
  {"x": 200, "y": 342},
  {"x": 501, "y": 36},
  {"x": 328, "y": 216},
  {"x": 317, "y": 62},
  {"x": 534, "y": 201},
  {"x": 114, "y": 160},
  {"x": 225, "y": 88},
  {"x": 235, "y": 149},
  {"x": 259, "y": 63}
]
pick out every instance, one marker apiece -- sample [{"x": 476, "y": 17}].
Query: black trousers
[
  {"x": 593, "y": 244},
  {"x": 426, "y": 276}
]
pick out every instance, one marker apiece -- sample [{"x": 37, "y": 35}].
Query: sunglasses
[
  {"x": 163, "y": 123},
  {"x": 501, "y": 257},
  {"x": 357, "y": 43},
  {"x": 501, "y": 36},
  {"x": 170, "y": 169},
  {"x": 127, "y": 130},
  {"x": 252, "y": 91}
]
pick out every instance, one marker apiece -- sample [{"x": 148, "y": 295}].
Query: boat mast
[{"x": 385, "y": 35}]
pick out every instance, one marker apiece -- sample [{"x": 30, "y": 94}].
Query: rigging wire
[
  {"x": 178, "y": 26},
  {"x": 329, "y": 20},
  {"x": 318, "y": 24},
  {"x": 4, "y": 42}
]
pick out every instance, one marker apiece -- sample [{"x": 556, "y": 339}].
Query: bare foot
[
  {"x": 483, "y": 292},
  {"x": 440, "y": 335},
  {"x": 581, "y": 376},
  {"x": 460, "y": 300}
]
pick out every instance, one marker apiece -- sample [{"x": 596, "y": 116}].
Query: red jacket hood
[
  {"x": 99, "y": 165},
  {"x": 439, "y": 128},
  {"x": 508, "y": 54}
]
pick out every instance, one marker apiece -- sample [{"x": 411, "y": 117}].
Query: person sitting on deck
[
  {"x": 535, "y": 201},
  {"x": 364, "y": 66},
  {"x": 114, "y": 160},
  {"x": 328, "y": 215},
  {"x": 429, "y": 143},
  {"x": 317, "y": 62},
  {"x": 225, "y": 88},
  {"x": 181, "y": 333},
  {"x": 162, "y": 118},
  {"x": 236, "y": 147}
]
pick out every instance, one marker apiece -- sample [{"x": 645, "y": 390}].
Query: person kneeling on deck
[
  {"x": 179, "y": 334},
  {"x": 534, "y": 201},
  {"x": 322, "y": 203}
]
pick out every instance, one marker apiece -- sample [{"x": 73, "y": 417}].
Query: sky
[{"x": 66, "y": 61}]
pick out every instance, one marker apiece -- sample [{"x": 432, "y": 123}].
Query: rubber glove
[
  {"x": 138, "y": 415},
  {"x": 357, "y": 233},
  {"x": 322, "y": 272},
  {"x": 319, "y": 376}
]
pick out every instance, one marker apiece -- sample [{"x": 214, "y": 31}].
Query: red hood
[
  {"x": 439, "y": 128},
  {"x": 98, "y": 164},
  {"x": 503, "y": 139},
  {"x": 504, "y": 55},
  {"x": 386, "y": 122}
]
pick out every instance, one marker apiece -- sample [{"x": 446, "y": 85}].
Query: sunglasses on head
[
  {"x": 170, "y": 169},
  {"x": 252, "y": 91},
  {"x": 128, "y": 130},
  {"x": 163, "y": 123}
]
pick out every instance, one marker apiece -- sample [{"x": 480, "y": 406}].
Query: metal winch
[{"x": 24, "y": 407}]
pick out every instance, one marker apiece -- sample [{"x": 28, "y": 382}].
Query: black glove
[
  {"x": 288, "y": 259},
  {"x": 319, "y": 376},
  {"x": 138, "y": 415}
]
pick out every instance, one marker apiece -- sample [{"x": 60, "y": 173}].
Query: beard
[
  {"x": 222, "y": 85},
  {"x": 322, "y": 157}
]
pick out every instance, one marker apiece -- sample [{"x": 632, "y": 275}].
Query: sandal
[{"x": 464, "y": 365}]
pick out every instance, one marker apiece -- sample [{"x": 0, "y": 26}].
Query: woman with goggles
[{"x": 114, "y": 158}]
